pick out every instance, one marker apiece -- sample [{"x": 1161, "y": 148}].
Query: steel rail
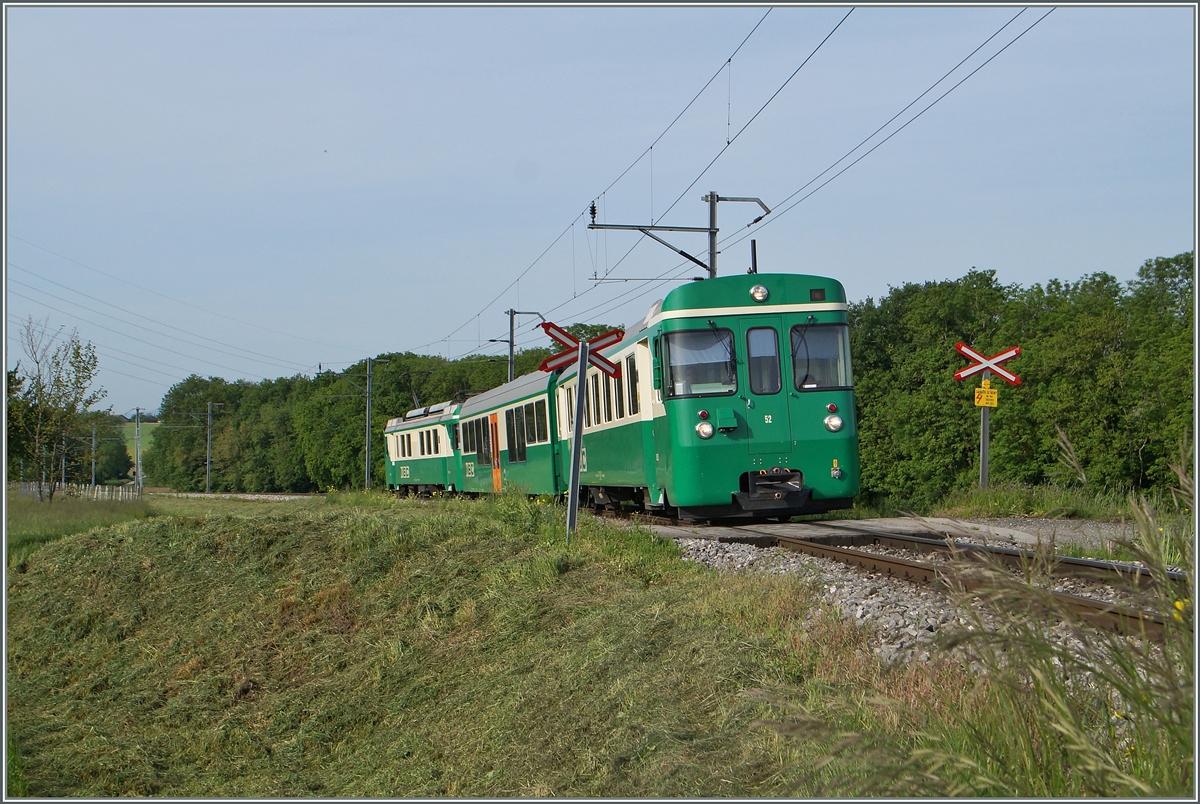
[
  {"x": 1104, "y": 615},
  {"x": 1063, "y": 566}
]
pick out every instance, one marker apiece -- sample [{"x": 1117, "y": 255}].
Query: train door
[
  {"x": 494, "y": 426},
  {"x": 765, "y": 387}
]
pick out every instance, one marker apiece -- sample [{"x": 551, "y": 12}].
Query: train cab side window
[
  {"x": 700, "y": 362},
  {"x": 437, "y": 441},
  {"x": 762, "y": 357},
  {"x": 541, "y": 422},
  {"x": 608, "y": 400},
  {"x": 821, "y": 356},
  {"x": 632, "y": 375}
]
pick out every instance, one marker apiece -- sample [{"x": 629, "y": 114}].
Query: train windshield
[
  {"x": 821, "y": 356},
  {"x": 700, "y": 362}
]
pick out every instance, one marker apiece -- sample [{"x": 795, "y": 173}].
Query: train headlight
[
  {"x": 833, "y": 423},
  {"x": 705, "y": 430},
  {"x": 759, "y": 293}
]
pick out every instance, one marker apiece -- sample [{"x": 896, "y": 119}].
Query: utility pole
[
  {"x": 512, "y": 359},
  {"x": 93, "y": 453},
  {"x": 208, "y": 449},
  {"x": 367, "y": 461},
  {"x": 712, "y": 198},
  {"x": 137, "y": 450}
]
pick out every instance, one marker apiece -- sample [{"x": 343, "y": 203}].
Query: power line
[
  {"x": 272, "y": 360},
  {"x": 170, "y": 298},
  {"x": 740, "y": 236},
  {"x": 756, "y": 114},
  {"x": 105, "y": 368},
  {"x": 610, "y": 186},
  {"x": 906, "y": 124},
  {"x": 110, "y": 329},
  {"x": 129, "y": 323}
]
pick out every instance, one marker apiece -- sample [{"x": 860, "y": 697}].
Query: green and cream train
[{"x": 735, "y": 400}]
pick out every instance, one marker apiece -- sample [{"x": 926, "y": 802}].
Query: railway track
[{"x": 843, "y": 542}]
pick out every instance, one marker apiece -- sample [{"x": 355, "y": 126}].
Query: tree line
[
  {"x": 1107, "y": 370},
  {"x": 304, "y": 434}
]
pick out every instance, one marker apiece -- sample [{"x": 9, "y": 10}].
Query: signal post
[
  {"x": 582, "y": 353},
  {"x": 986, "y": 397}
]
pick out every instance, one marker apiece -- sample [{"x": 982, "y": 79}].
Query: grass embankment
[
  {"x": 30, "y": 523},
  {"x": 381, "y": 648}
]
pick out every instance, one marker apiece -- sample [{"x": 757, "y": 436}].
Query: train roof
[
  {"x": 521, "y": 387},
  {"x": 803, "y": 290},
  {"x": 430, "y": 414}
]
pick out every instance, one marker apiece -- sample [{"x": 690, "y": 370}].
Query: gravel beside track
[{"x": 904, "y": 619}]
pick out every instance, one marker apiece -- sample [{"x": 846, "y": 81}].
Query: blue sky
[{"x": 253, "y": 192}]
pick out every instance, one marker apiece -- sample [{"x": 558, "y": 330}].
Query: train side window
[
  {"x": 619, "y": 394},
  {"x": 514, "y": 423},
  {"x": 519, "y": 419},
  {"x": 542, "y": 424},
  {"x": 437, "y": 441},
  {"x": 595, "y": 396},
  {"x": 762, "y": 357},
  {"x": 512, "y": 436},
  {"x": 404, "y": 445},
  {"x": 530, "y": 430},
  {"x": 587, "y": 402},
  {"x": 631, "y": 373},
  {"x": 485, "y": 441},
  {"x": 608, "y": 401}
]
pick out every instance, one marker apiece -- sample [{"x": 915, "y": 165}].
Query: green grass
[
  {"x": 1047, "y": 501},
  {"x": 30, "y": 523},
  {"x": 356, "y": 645}
]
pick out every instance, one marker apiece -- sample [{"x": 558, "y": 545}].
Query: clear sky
[{"x": 255, "y": 192}]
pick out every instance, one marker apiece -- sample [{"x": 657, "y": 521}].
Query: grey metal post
[
  {"x": 577, "y": 442},
  {"x": 208, "y": 453},
  {"x": 63, "y": 461},
  {"x": 985, "y": 418},
  {"x": 93, "y": 453},
  {"x": 512, "y": 365},
  {"x": 367, "y": 472},
  {"x": 137, "y": 449},
  {"x": 712, "y": 234}
]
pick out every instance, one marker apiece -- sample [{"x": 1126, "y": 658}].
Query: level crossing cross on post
[
  {"x": 571, "y": 354},
  {"x": 582, "y": 353},
  {"x": 986, "y": 366},
  {"x": 987, "y": 363}
]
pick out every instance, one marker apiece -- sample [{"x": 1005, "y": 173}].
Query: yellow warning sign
[{"x": 987, "y": 397}]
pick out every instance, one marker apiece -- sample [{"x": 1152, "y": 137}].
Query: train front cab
[{"x": 761, "y": 402}]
